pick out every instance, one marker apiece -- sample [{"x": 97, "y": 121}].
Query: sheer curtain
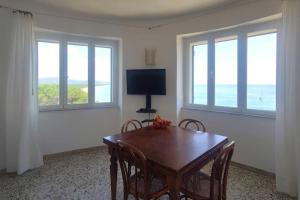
[
  {"x": 21, "y": 133},
  {"x": 287, "y": 137}
]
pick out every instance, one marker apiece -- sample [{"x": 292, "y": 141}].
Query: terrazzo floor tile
[{"x": 85, "y": 176}]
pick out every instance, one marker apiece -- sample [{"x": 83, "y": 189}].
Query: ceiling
[{"x": 129, "y": 9}]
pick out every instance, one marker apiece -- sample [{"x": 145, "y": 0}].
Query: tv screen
[{"x": 146, "y": 81}]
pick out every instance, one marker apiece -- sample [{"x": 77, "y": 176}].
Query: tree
[
  {"x": 49, "y": 94},
  {"x": 76, "y": 95}
]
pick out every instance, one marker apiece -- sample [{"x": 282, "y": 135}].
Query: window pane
[
  {"x": 226, "y": 73},
  {"x": 77, "y": 74},
  {"x": 48, "y": 73},
  {"x": 261, "y": 72},
  {"x": 102, "y": 74},
  {"x": 200, "y": 74}
]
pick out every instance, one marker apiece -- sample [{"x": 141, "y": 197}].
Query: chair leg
[{"x": 125, "y": 195}]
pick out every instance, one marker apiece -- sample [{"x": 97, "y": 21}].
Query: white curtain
[
  {"x": 21, "y": 133},
  {"x": 287, "y": 137}
]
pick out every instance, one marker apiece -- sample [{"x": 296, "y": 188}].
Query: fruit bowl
[{"x": 159, "y": 123}]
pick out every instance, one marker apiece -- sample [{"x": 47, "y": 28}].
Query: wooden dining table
[{"x": 174, "y": 152}]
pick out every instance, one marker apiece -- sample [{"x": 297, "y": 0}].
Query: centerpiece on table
[{"x": 160, "y": 123}]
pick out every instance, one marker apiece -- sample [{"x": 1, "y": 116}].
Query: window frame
[
  {"x": 64, "y": 39},
  {"x": 242, "y": 34}
]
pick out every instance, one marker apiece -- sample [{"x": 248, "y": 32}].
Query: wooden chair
[
  {"x": 141, "y": 184},
  {"x": 204, "y": 187},
  {"x": 198, "y": 125},
  {"x": 134, "y": 123}
]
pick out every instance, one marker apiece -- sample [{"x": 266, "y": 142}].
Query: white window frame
[
  {"x": 63, "y": 39},
  {"x": 241, "y": 32}
]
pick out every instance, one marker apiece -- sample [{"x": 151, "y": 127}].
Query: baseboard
[
  {"x": 253, "y": 169},
  {"x": 2, "y": 171},
  {"x": 66, "y": 153}
]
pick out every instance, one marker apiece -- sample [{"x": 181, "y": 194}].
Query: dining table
[{"x": 174, "y": 152}]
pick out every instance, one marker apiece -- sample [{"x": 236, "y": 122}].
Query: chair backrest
[
  {"x": 133, "y": 124},
  {"x": 220, "y": 172},
  {"x": 132, "y": 160},
  {"x": 192, "y": 124}
]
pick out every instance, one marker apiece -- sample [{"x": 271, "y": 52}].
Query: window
[
  {"x": 233, "y": 70},
  {"x": 76, "y": 72},
  {"x": 103, "y": 74},
  {"x": 226, "y": 72},
  {"x": 48, "y": 73},
  {"x": 200, "y": 73},
  {"x": 261, "y": 71}
]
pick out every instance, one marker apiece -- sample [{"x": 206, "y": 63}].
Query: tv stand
[
  {"x": 146, "y": 110},
  {"x": 148, "y": 101},
  {"x": 149, "y": 112}
]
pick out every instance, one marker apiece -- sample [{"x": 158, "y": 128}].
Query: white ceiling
[{"x": 130, "y": 9}]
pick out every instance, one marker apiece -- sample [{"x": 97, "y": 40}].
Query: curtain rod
[{"x": 17, "y": 10}]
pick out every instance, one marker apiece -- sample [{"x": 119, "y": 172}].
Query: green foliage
[
  {"x": 49, "y": 94},
  {"x": 76, "y": 95}
]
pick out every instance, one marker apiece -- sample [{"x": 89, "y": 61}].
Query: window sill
[
  {"x": 96, "y": 107},
  {"x": 258, "y": 114}
]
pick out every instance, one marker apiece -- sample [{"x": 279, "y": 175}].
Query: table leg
[
  {"x": 174, "y": 187},
  {"x": 113, "y": 172}
]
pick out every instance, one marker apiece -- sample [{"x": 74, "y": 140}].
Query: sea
[
  {"x": 259, "y": 97},
  {"x": 103, "y": 94}
]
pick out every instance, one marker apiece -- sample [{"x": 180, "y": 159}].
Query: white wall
[
  {"x": 66, "y": 130},
  {"x": 76, "y": 129}
]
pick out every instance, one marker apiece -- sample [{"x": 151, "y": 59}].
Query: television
[{"x": 146, "y": 82}]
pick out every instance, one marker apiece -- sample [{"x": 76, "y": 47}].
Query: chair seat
[
  {"x": 198, "y": 186},
  {"x": 157, "y": 185}
]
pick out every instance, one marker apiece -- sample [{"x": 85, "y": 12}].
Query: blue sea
[
  {"x": 103, "y": 94},
  {"x": 259, "y": 97}
]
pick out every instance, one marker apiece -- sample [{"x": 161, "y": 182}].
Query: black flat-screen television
[{"x": 146, "y": 81}]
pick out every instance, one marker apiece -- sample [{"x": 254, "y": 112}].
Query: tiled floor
[{"x": 85, "y": 175}]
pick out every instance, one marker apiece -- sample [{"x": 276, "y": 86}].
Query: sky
[
  {"x": 48, "y": 61},
  {"x": 48, "y": 65},
  {"x": 261, "y": 61}
]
